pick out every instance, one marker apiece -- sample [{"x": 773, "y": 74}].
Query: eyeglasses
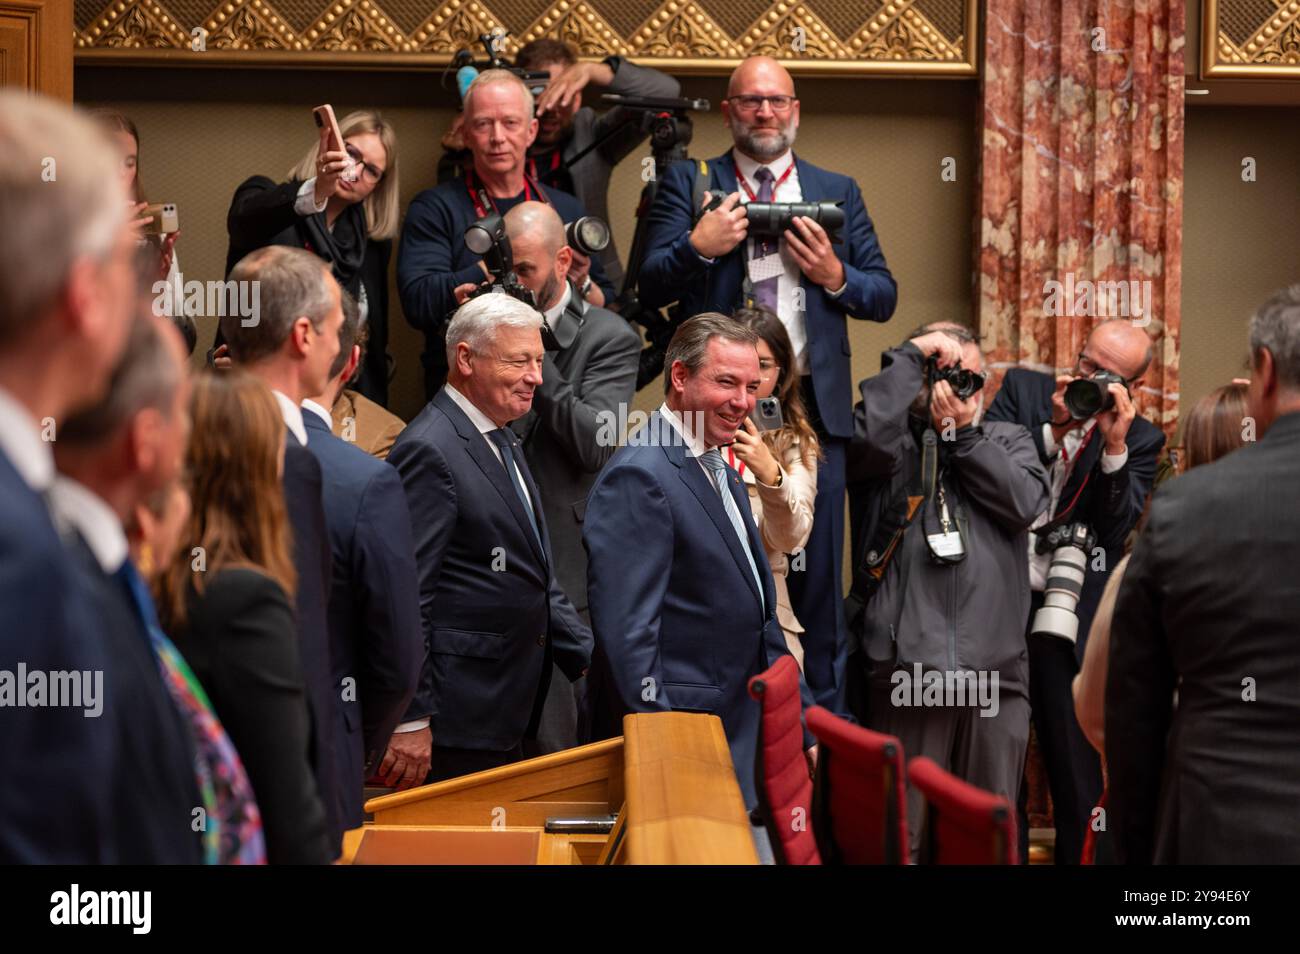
[
  {"x": 371, "y": 172},
  {"x": 768, "y": 370},
  {"x": 752, "y": 104},
  {"x": 1088, "y": 367}
]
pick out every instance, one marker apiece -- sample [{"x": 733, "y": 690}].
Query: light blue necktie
[{"x": 720, "y": 472}]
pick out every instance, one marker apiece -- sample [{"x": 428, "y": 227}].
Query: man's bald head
[
  {"x": 530, "y": 222},
  {"x": 1119, "y": 345},
  {"x": 541, "y": 254},
  {"x": 760, "y": 74}
]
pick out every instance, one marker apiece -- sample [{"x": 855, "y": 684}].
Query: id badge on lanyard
[{"x": 947, "y": 543}]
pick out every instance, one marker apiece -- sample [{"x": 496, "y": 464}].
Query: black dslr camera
[
  {"x": 1070, "y": 545},
  {"x": 773, "y": 218},
  {"x": 964, "y": 382},
  {"x": 1088, "y": 396},
  {"x": 487, "y": 237}
]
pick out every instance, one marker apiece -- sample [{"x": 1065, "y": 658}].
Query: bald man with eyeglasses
[{"x": 710, "y": 262}]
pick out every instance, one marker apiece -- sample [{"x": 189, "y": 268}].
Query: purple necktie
[{"x": 765, "y": 291}]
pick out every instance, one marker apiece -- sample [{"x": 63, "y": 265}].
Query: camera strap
[
  {"x": 478, "y": 193},
  {"x": 740, "y": 177}
]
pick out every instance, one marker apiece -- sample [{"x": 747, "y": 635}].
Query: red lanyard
[
  {"x": 731, "y": 459},
  {"x": 482, "y": 201},
  {"x": 555, "y": 164},
  {"x": 740, "y": 177}
]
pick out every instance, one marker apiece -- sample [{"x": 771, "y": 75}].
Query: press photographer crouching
[
  {"x": 1101, "y": 460},
  {"x": 941, "y": 504},
  {"x": 588, "y": 375}
]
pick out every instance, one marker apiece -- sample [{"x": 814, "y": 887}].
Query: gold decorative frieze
[{"x": 1255, "y": 39}]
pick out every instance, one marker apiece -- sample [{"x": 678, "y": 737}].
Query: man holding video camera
[
  {"x": 590, "y": 370},
  {"x": 433, "y": 258},
  {"x": 942, "y": 502},
  {"x": 1101, "y": 458},
  {"x": 721, "y": 260}
]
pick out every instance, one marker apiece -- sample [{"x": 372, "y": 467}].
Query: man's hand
[
  {"x": 946, "y": 408},
  {"x": 453, "y": 140},
  {"x": 719, "y": 231},
  {"x": 815, "y": 255},
  {"x": 1114, "y": 424},
  {"x": 1061, "y": 421},
  {"x": 406, "y": 763},
  {"x": 561, "y": 89},
  {"x": 221, "y": 359},
  {"x": 946, "y": 349},
  {"x": 462, "y": 292},
  {"x": 579, "y": 270}
]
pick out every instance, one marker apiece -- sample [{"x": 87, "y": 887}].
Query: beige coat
[
  {"x": 361, "y": 421},
  {"x": 784, "y": 516}
]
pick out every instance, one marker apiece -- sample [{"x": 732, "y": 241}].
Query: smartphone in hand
[{"x": 325, "y": 119}]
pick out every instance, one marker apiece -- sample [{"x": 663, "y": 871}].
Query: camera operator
[
  {"x": 1101, "y": 467},
  {"x": 588, "y": 375},
  {"x": 433, "y": 259},
  {"x": 707, "y": 264},
  {"x": 942, "y": 504}
]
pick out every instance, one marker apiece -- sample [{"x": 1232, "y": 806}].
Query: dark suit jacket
[
  {"x": 673, "y": 271},
  {"x": 491, "y": 611},
  {"x": 261, "y": 214},
  {"x": 674, "y": 604},
  {"x": 154, "y": 790},
  {"x": 58, "y": 766},
  {"x": 1209, "y": 605},
  {"x": 374, "y": 606},
  {"x": 1109, "y": 503},
  {"x": 312, "y": 561},
  {"x": 239, "y": 640},
  {"x": 433, "y": 259},
  {"x": 574, "y": 427}
]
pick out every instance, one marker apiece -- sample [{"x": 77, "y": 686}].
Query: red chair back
[
  {"x": 780, "y": 769},
  {"x": 860, "y": 798},
  {"x": 967, "y": 825}
]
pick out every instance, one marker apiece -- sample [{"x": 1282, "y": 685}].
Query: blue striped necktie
[{"x": 721, "y": 474}]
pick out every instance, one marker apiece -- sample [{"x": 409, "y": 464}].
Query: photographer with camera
[
  {"x": 942, "y": 502},
  {"x": 1101, "y": 459},
  {"x": 718, "y": 262},
  {"x": 433, "y": 259},
  {"x": 589, "y": 371}
]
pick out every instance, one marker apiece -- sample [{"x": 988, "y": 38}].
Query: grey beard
[
  {"x": 765, "y": 149},
  {"x": 549, "y": 294}
]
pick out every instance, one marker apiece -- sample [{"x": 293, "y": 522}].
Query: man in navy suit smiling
[{"x": 712, "y": 262}]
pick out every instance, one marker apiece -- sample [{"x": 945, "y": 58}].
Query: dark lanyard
[
  {"x": 482, "y": 201},
  {"x": 740, "y": 177}
]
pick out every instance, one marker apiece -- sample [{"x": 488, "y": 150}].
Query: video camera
[{"x": 467, "y": 70}]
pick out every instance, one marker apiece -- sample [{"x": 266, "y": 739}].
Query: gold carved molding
[
  {"x": 847, "y": 37},
  {"x": 1250, "y": 39}
]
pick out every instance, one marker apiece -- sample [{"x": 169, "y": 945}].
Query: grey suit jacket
[
  {"x": 591, "y": 173},
  {"x": 567, "y": 434}
]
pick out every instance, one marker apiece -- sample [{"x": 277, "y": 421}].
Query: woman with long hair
[
  {"x": 227, "y": 597},
  {"x": 341, "y": 204},
  {"x": 778, "y": 465}
]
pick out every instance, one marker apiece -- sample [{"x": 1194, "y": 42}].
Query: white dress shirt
[
  {"x": 21, "y": 444},
  {"x": 484, "y": 425},
  {"x": 1063, "y": 458},
  {"x": 79, "y": 509},
  {"x": 292, "y": 415},
  {"x": 694, "y": 442}
]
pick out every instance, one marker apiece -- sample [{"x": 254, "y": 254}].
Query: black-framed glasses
[
  {"x": 1088, "y": 367},
  {"x": 752, "y": 104},
  {"x": 371, "y": 171}
]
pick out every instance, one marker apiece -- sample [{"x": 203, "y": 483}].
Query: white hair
[
  {"x": 492, "y": 77},
  {"x": 476, "y": 322},
  {"x": 60, "y": 199}
]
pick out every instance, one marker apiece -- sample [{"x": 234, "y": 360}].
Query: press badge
[
  {"x": 769, "y": 266},
  {"x": 946, "y": 545}
]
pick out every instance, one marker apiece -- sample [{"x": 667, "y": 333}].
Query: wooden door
[{"x": 36, "y": 46}]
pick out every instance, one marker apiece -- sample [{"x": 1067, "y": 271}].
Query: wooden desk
[{"x": 669, "y": 779}]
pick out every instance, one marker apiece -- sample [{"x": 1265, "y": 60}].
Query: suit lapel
[
  {"x": 693, "y": 475},
  {"x": 482, "y": 455}
]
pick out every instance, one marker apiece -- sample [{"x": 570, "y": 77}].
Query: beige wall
[{"x": 204, "y": 131}]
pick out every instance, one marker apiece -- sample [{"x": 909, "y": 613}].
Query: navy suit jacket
[
  {"x": 374, "y": 605},
  {"x": 311, "y": 562},
  {"x": 492, "y": 613},
  {"x": 673, "y": 601},
  {"x": 56, "y": 763},
  {"x": 673, "y": 271},
  {"x": 1111, "y": 504}
]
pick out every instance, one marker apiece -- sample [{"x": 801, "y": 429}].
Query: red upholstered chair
[
  {"x": 860, "y": 797},
  {"x": 780, "y": 768},
  {"x": 967, "y": 825}
]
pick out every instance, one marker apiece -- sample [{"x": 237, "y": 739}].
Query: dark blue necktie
[{"x": 503, "y": 439}]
